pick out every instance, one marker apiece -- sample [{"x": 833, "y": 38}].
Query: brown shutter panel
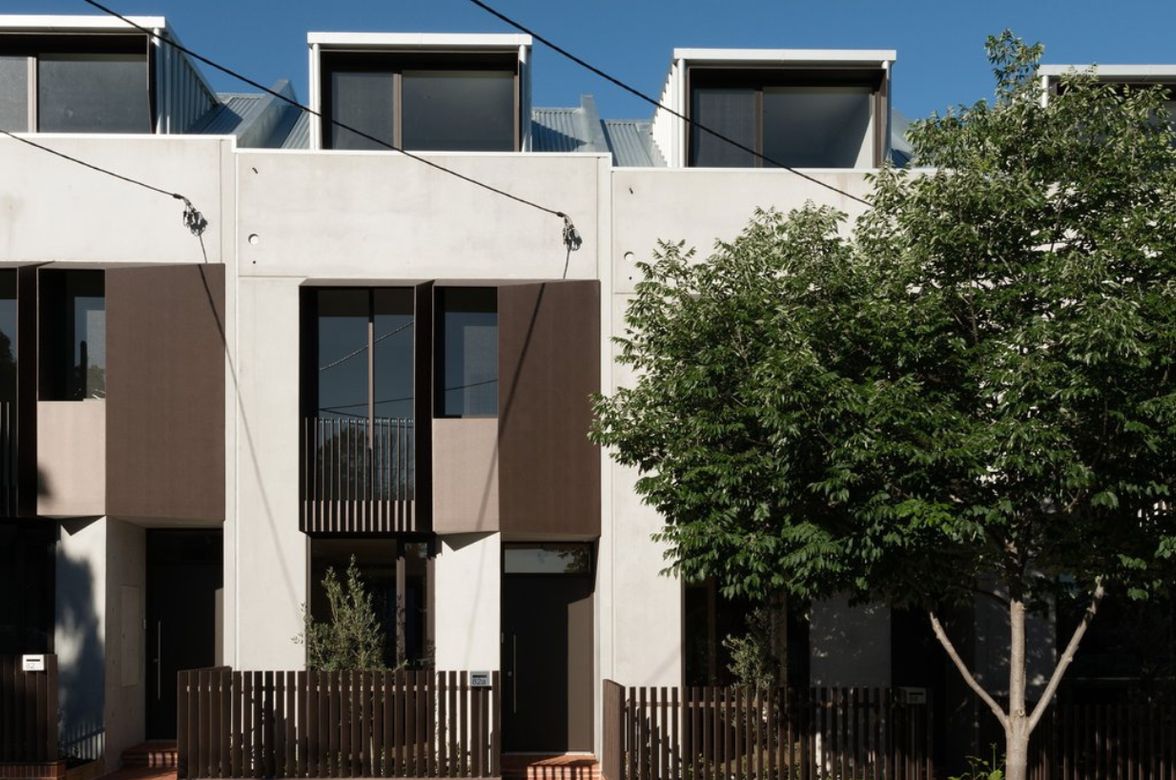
[
  {"x": 549, "y": 365},
  {"x": 165, "y": 393}
]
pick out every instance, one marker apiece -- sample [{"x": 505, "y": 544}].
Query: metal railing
[{"x": 359, "y": 475}]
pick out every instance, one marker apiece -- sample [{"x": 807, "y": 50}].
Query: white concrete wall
[
  {"x": 849, "y": 646},
  {"x": 65, "y": 213},
  {"x": 71, "y": 458},
  {"x": 80, "y": 635},
  {"x": 270, "y": 567},
  {"x": 126, "y": 584},
  {"x": 467, "y": 576}
]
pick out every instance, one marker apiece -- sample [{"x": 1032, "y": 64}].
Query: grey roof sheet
[
  {"x": 629, "y": 141},
  {"x": 258, "y": 120},
  {"x": 299, "y": 135},
  {"x": 561, "y": 130},
  {"x": 632, "y": 145}
]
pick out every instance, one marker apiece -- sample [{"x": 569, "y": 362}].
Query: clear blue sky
[{"x": 939, "y": 42}]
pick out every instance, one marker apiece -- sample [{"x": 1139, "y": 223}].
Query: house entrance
[
  {"x": 547, "y": 645},
  {"x": 184, "y": 569}
]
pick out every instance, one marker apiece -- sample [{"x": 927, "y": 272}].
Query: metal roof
[
  {"x": 259, "y": 121},
  {"x": 580, "y": 129},
  {"x": 632, "y": 145},
  {"x": 299, "y": 135},
  {"x": 1112, "y": 72}
]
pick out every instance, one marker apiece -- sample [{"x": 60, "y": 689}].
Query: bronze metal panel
[
  {"x": 549, "y": 365},
  {"x": 165, "y": 393},
  {"x": 26, "y": 391}
]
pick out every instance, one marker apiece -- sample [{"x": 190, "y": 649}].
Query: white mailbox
[{"x": 32, "y": 663}]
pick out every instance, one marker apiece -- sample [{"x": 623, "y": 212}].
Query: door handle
[
  {"x": 514, "y": 678},
  {"x": 158, "y": 660}
]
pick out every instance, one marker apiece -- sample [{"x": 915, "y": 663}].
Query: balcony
[{"x": 359, "y": 476}]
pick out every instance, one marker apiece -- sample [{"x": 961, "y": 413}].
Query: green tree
[
  {"x": 353, "y": 637},
  {"x": 972, "y": 386}
]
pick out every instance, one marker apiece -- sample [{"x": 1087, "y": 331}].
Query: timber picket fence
[
  {"x": 28, "y": 712},
  {"x": 336, "y": 724},
  {"x": 1104, "y": 741},
  {"x": 716, "y": 733}
]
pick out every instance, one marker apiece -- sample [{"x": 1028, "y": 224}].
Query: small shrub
[{"x": 353, "y": 637}]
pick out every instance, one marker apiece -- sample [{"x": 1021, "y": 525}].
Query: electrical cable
[
  {"x": 193, "y": 219},
  {"x": 569, "y": 235},
  {"x": 658, "y": 104}
]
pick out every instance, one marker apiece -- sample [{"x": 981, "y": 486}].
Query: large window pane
[
  {"x": 364, "y": 101},
  {"x": 14, "y": 93},
  {"x": 816, "y": 127},
  {"x": 393, "y": 342},
  {"x": 93, "y": 93},
  {"x": 7, "y": 336},
  {"x": 459, "y": 110},
  {"x": 72, "y": 335},
  {"x": 729, "y": 112},
  {"x": 468, "y": 359},
  {"x": 342, "y": 353}
]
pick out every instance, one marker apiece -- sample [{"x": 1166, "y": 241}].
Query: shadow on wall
[{"x": 80, "y": 656}]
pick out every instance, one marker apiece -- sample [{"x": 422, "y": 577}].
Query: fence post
[{"x": 612, "y": 738}]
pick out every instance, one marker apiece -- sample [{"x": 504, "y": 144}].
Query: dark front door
[
  {"x": 546, "y": 653},
  {"x": 183, "y": 579}
]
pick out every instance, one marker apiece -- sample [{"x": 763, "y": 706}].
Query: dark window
[
  {"x": 467, "y": 354},
  {"x": 7, "y": 336},
  {"x": 362, "y": 100},
  {"x": 547, "y": 559},
  {"x": 93, "y": 93},
  {"x": 72, "y": 335},
  {"x": 811, "y": 119},
  {"x": 731, "y": 113},
  {"x": 396, "y": 574},
  {"x": 459, "y": 111},
  {"x": 426, "y": 102},
  {"x": 27, "y": 560},
  {"x": 14, "y": 93}
]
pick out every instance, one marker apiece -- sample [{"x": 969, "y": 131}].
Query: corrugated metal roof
[
  {"x": 631, "y": 143},
  {"x": 259, "y": 121},
  {"x": 560, "y": 130},
  {"x": 299, "y": 135}
]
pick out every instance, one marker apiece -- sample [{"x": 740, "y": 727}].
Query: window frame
[
  {"x": 439, "y": 354},
  {"x": 396, "y": 63},
  {"x": 33, "y": 46},
  {"x": 54, "y": 290},
  {"x": 760, "y": 78}
]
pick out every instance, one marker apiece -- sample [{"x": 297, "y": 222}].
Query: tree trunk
[{"x": 1017, "y": 728}]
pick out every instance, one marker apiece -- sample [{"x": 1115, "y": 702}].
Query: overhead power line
[
  {"x": 658, "y": 104},
  {"x": 193, "y": 219},
  {"x": 570, "y": 235}
]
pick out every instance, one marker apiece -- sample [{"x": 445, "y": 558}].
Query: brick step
[
  {"x": 550, "y": 767},
  {"x": 158, "y": 754}
]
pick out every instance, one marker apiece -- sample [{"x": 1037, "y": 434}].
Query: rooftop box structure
[
  {"x": 421, "y": 92},
  {"x": 801, "y": 108},
  {"x": 88, "y": 74}
]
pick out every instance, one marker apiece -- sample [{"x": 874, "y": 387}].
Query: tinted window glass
[
  {"x": 96, "y": 93},
  {"x": 72, "y": 335},
  {"x": 731, "y": 113},
  {"x": 7, "y": 335},
  {"x": 393, "y": 342},
  {"x": 468, "y": 354},
  {"x": 815, "y": 127},
  {"x": 458, "y": 110},
  {"x": 363, "y": 100},
  {"x": 547, "y": 559},
  {"x": 342, "y": 353},
  {"x": 14, "y": 93}
]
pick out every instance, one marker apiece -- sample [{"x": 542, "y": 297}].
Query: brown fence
[
  {"x": 28, "y": 712},
  {"x": 712, "y": 733},
  {"x": 336, "y": 724},
  {"x": 1122, "y": 741}
]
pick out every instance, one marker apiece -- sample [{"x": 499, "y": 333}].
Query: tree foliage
[
  {"x": 353, "y": 637},
  {"x": 972, "y": 381}
]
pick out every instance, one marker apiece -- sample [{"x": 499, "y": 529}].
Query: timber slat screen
[
  {"x": 359, "y": 475},
  {"x": 1097, "y": 741},
  {"x": 28, "y": 712},
  {"x": 716, "y": 733},
  {"x": 336, "y": 724}
]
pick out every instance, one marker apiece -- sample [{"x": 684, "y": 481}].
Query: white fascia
[
  {"x": 76, "y": 23},
  {"x": 1113, "y": 72},
  {"x": 816, "y": 57},
  {"x": 422, "y": 41}
]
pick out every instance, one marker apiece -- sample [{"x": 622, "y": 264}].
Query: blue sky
[{"x": 939, "y": 43}]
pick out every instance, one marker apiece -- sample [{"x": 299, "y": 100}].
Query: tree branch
[
  {"x": 1067, "y": 656},
  {"x": 941, "y": 635}
]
